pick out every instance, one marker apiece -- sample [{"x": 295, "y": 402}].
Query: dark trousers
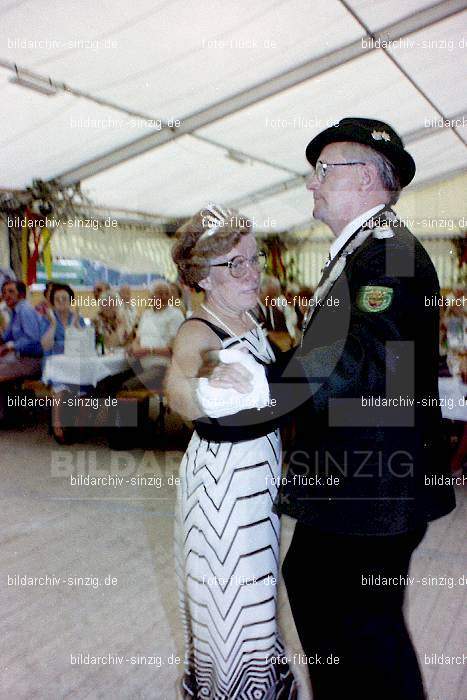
[{"x": 340, "y": 611}]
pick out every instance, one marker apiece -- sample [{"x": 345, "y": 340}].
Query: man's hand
[{"x": 5, "y": 349}]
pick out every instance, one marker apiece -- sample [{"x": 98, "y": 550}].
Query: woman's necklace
[{"x": 261, "y": 336}]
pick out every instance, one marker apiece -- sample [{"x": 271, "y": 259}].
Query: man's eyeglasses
[
  {"x": 321, "y": 168},
  {"x": 239, "y": 265}
]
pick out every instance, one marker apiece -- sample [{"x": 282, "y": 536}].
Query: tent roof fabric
[{"x": 250, "y": 83}]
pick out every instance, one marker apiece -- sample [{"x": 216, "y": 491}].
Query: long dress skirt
[{"x": 227, "y": 554}]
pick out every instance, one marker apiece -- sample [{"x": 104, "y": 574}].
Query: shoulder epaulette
[{"x": 383, "y": 232}]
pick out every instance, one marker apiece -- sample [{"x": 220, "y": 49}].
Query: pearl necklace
[{"x": 259, "y": 328}]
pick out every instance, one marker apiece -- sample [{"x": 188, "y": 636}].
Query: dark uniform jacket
[{"x": 369, "y": 455}]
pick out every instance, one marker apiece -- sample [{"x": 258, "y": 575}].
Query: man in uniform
[{"x": 368, "y": 469}]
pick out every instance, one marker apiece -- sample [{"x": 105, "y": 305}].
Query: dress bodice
[
  {"x": 250, "y": 423},
  {"x": 255, "y": 340}
]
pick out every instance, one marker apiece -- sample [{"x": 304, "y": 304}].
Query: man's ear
[{"x": 369, "y": 177}]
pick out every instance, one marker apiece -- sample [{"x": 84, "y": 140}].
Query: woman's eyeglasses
[{"x": 239, "y": 265}]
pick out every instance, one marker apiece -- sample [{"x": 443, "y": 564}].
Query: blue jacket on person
[
  {"x": 25, "y": 330},
  {"x": 58, "y": 348}
]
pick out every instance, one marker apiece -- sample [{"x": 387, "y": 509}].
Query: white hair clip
[{"x": 215, "y": 218}]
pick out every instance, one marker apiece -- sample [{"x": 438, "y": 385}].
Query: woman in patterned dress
[{"x": 227, "y": 537}]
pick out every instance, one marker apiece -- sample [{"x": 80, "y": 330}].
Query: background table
[
  {"x": 83, "y": 371},
  {"x": 453, "y": 388}
]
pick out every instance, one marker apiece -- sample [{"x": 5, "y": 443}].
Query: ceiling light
[
  {"x": 43, "y": 86},
  {"x": 237, "y": 157}
]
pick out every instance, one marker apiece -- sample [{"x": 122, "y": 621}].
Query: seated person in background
[
  {"x": 305, "y": 295},
  {"x": 5, "y": 315},
  {"x": 151, "y": 350},
  {"x": 176, "y": 293},
  {"x": 44, "y": 306},
  {"x": 455, "y": 319},
  {"x": 23, "y": 333},
  {"x": 99, "y": 288},
  {"x": 59, "y": 317},
  {"x": 20, "y": 343},
  {"x": 291, "y": 293},
  {"x": 276, "y": 315},
  {"x": 6, "y": 274},
  {"x": 131, "y": 312},
  {"x": 112, "y": 324}
]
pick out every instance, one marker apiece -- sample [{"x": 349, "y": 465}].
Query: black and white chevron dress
[{"x": 227, "y": 553}]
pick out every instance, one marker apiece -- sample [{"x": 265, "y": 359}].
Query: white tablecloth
[
  {"x": 84, "y": 371},
  {"x": 451, "y": 393}
]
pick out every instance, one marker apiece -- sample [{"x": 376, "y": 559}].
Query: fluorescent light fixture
[
  {"x": 44, "y": 87},
  {"x": 237, "y": 157}
]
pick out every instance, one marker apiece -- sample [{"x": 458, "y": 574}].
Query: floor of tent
[{"x": 50, "y": 527}]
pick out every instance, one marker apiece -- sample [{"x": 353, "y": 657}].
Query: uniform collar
[{"x": 351, "y": 228}]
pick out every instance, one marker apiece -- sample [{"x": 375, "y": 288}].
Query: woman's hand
[
  {"x": 226, "y": 376},
  {"x": 48, "y": 338},
  {"x": 51, "y": 316}
]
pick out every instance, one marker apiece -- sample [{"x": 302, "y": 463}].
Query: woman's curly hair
[{"x": 192, "y": 255}]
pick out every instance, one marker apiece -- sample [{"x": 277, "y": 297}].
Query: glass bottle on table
[{"x": 100, "y": 345}]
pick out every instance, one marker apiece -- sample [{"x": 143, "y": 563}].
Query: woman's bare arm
[
  {"x": 192, "y": 358},
  {"x": 193, "y": 340}
]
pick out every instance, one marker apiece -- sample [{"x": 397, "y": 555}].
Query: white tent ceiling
[{"x": 251, "y": 83}]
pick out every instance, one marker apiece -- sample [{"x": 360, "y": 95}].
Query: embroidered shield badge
[{"x": 374, "y": 299}]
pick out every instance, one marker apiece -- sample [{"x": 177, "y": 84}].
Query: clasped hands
[
  {"x": 226, "y": 376},
  {"x": 53, "y": 321}
]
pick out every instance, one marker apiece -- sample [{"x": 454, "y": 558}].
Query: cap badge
[{"x": 378, "y": 135}]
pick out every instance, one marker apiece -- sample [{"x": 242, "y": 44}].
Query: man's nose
[{"x": 311, "y": 182}]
